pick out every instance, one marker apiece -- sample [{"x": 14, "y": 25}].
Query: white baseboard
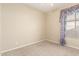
[
  {"x": 65, "y": 45},
  {"x": 21, "y": 46},
  {"x": 52, "y": 41},
  {"x": 72, "y": 47}
]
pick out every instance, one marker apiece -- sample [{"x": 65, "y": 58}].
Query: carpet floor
[{"x": 44, "y": 48}]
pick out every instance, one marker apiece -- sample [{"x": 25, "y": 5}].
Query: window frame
[{"x": 74, "y": 20}]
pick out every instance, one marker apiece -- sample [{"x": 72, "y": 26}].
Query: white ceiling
[{"x": 45, "y": 7}]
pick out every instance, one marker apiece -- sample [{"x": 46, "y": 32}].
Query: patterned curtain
[
  {"x": 62, "y": 32},
  {"x": 63, "y": 15}
]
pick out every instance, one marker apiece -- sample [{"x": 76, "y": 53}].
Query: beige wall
[
  {"x": 53, "y": 28},
  {"x": 0, "y": 27},
  {"x": 21, "y": 25}
]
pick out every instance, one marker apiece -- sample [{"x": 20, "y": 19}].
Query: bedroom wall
[
  {"x": 53, "y": 28},
  {"x": 0, "y": 27},
  {"x": 21, "y": 26}
]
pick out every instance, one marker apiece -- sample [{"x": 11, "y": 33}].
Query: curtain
[
  {"x": 63, "y": 15},
  {"x": 62, "y": 32}
]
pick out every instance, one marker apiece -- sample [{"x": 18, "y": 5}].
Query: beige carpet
[{"x": 43, "y": 49}]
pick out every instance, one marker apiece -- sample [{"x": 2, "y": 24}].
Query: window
[
  {"x": 72, "y": 24},
  {"x": 69, "y": 23}
]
